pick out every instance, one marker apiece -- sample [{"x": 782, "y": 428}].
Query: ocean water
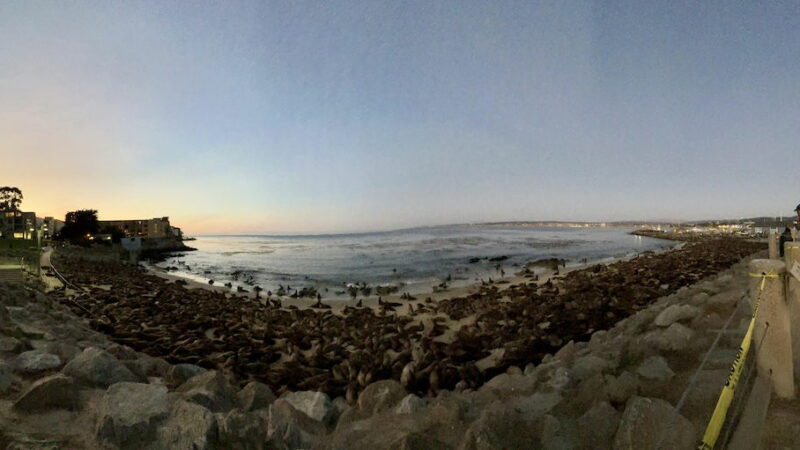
[{"x": 413, "y": 258}]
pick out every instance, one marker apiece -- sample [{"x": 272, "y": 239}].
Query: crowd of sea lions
[{"x": 292, "y": 348}]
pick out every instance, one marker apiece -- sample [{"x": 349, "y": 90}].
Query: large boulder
[
  {"x": 417, "y": 441},
  {"x": 210, "y": 389},
  {"x": 149, "y": 367},
  {"x": 97, "y": 368},
  {"x": 675, "y": 338},
  {"x": 650, "y": 423},
  {"x": 292, "y": 427},
  {"x": 536, "y": 405},
  {"x": 130, "y": 413},
  {"x": 243, "y": 430},
  {"x": 7, "y": 378},
  {"x": 255, "y": 396},
  {"x": 410, "y": 404},
  {"x": 655, "y": 368},
  {"x": 500, "y": 426},
  {"x": 181, "y": 373},
  {"x": 10, "y": 345},
  {"x": 622, "y": 387},
  {"x": 380, "y": 396},
  {"x": 675, "y": 313},
  {"x": 558, "y": 433},
  {"x": 63, "y": 350},
  {"x": 189, "y": 426},
  {"x": 35, "y": 361},
  {"x": 597, "y": 427},
  {"x": 382, "y": 431},
  {"x": 588, "y": 366},
  {"x": 377, "y": 397},
  {"x": 54, "y": 392},
  {"x": 316, "y": 405},
  {"x": 505, "y": 385}
]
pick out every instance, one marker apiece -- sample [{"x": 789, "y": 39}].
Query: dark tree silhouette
[
  {"x": 10, "y": 198},
  {"x": 116, "y": 233},
  {"x": 79, "y": 224}
]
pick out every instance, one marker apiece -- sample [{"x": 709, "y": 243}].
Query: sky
[{"x": 311, "y": 117}]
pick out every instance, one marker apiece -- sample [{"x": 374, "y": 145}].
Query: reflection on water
[{"x": 414, "y": 257}]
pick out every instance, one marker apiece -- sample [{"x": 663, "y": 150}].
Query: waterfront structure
[
  {"x": 16, "y": 224},
  {"x": 148, "y": 228}
]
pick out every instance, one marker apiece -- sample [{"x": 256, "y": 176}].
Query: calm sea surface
[{"x": 413, "y": 258}]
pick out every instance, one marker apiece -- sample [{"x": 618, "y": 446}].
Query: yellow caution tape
[
  {"x": 721, "y": 410},
  {"x": 763, "y": 277}
]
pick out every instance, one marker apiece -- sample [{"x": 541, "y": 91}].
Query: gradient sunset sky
[{"x": 247, "y": 117}]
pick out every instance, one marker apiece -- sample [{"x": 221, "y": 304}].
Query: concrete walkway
[{"x": 49, "y": 279}]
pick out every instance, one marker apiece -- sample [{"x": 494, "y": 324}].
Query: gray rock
[
  {"x": 500, "y": 426},
  {"x": 210, "y": 389},
  {"x": 507, "y": 384},
  {"x": 34, "y": 361},
  {"x": 675, "y": 313},
  {"x": 63, "y": 350},
  {"x": 10, "y": 345},
  {"x": 316, "y": 405},
  {"x": 410, "y": 404},
  {"x": 648, "y": 422},
  {"x": 724, "y": 280},
  {"x": 560, "y": 380},
  {"x": 122, "y": 352},
  {"x": 340, "y": 406},
  {"x": 380, "y": 396},
  {"x": 597, "y": 427},
  {"x": 558, "y": 434},
  {"x": 130, "y": 413},
  {"x": 587, "y": 394},
  {"x": 386, "y": 431},
  {"x": 54, "y": 392},
  {"x": 724, "y": 299},
  {"x": 255, "y": 396},
  {"x": 96, "y": 367},
  {"x": 417, "y": 441},
  {"x": 189, "y": 426},
  {"x": 566, "y": 353},
  {"x": 136, "y": 370},
  {"x": 530, "y": 369},
  {"x": 242, "y": 430},
  {"x": 290, "y": 426},
  {"x": 675, "y": 338},
  {"x": 7, "y": 378},
  {"x": 622, "y": 387},
  {"x": 150, "y": 367},
  {"x": 699, "y": 299},
  {"x": 655, "y": 368},
  {"x": 536, "y": 405},
  {"x": 180, "y": 373},
  {"x": 586, "y": 367},
  {"x": 514, "y": 370}
]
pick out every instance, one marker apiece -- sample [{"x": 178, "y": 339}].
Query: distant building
[
  {"x": 148, "y": 228},
  {"x": 17, "y": 225},
  {"x": 50, "y": 227},
  {"x": 176, "y": 232}
]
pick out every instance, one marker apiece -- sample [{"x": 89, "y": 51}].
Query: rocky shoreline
[{"x": 65, "y": 385}]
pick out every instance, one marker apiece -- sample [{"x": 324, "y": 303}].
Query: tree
[
  {"x": 78, "y": 225},
  {"x": 115, "y": 232},
  {"x": 10, "y": 199}
]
